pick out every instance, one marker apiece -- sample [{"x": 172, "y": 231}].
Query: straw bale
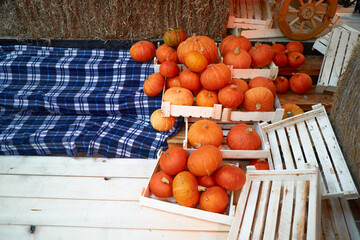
[
  {"x": 111, "y": 19},
  {"x": 345, "y": 114}
]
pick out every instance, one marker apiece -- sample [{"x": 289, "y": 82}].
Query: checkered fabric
[{"x": 70, "y": 101}]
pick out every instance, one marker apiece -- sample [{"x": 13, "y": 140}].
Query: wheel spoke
[
  {"x": 301, "y": 2},
  {"x": 293, "y": 11},
  {"x": 302, "y": 26},
  {"x": 320, "y": 13},
  {"x": 294, "y": 21},
  {"x": 313, "y": 22},
  {"x": 318, "y": 2},
  {"x": 309, "y": 1}
]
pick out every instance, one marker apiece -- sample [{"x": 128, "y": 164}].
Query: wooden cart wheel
[{"x": 304, "y": 19}]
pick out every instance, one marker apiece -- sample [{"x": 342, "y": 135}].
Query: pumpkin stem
[
  {"x": 290, "y": 114},
  {"x": 258, "y": 106},
  {"x": 262, "y": 159},
  {"x": 201, "y": 188},
  {"x": 257, "y": 44},
  {"x": 205, "y": 126},
  {"x": 296, "y": 57},
  {"x": 233, "y": 86},
  {"x": 177, "y": 90},
  {"x": 237, "y": 51},
  {"x": 165, "y": 180},
  {"x": 194, "y": 37},
  {"x": 248, "y": 130},
  {"x": 209, "y": 94},
  {"x": 167, "y": 155},
  {"x": 238, "y": 32},
  {"x": 197, "y": 145},
  {"x": 202, "y": 49}
]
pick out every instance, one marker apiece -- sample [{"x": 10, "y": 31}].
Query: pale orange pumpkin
[
  {"x": 216, "y": 76},
  {"x": 259, "y": 99},
  {"x": 154, "y": 84},
  {"x": 179, "y": 96},
  {"x": 230, "y": 177},
  {"x": 243, "y": 137},
  {"x": 231, "y": 42},
  {"x": 206, "y": 98},
  {"x": 242, "y": 84},
  {"x": 214, "y": 199},
  {"x": 291, "y": 109},
  {"x": 196, "y": 61},
  {"x": 161, "y": 124},
  {"x": 185, "y": 189},
  {"x": 204, "y": 160},
  {"x": 263, "y": 82},
  {"x": 205, "y": 132},
  {"x": 231, "y": 96},
  {"x": 173, "y": 160},
  {"x": 239, "y": 59},
  {"x": 142, "y": 51},
  {"x": 165, "y": 52},
  {"x": 189, "y": 80},
  {"x": 161, "y": 185}
]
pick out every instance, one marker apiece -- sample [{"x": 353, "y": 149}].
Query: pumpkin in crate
[
  {"x": 242, "y": 84},
  {"x": 204, "y": 160},
  {"x": 142, "y": 51},
  {"x": 263, "y": 82},
  {"x": 281, "y": 84},
  {"x": 230, "y": 177},
  {"x": 206, "y": 98},
  {"x": 160, "y": 123},
  {"x": 291, "y": 109},
  {"x": 161, "y": 185},
  {"x": 243, "y": 137},
  {"x": 294, "y": 46},
  {"x": 154, "y": 84},
  {"x": 260, "y": 164},
  {"x": 207, "y": 181},
  {"x": 196, "y": 61},
  {"x": 214, "y": 199},
  {"x": 173, "y": 82},
  {"x": 261, "y": 55},
  {"x": 189, "y": 80},
  {"x": 280, "y": 59},
  {"x": 205, "y": 132},
  {"x": 239, "y": 59},
  {"x": 173, "y": 160},
  {"x": 300, "y": 83},
  {"x": 231, "y": 96},
  {"x": 258, "y": 99},
  {"x": 216, "y": 76},
  {"x": 165, "y": 52},
  {"x": 173, "y": 37},
  {"x": 231, "y": 42},
  {"x": 295, "y": 59},
  {"x": 179, "y": 96},
  {"x": 278, "y": 48},
  {"x": 195, "y": 43},
  {"x": 169, "y": 68},
  {"x": 185, "y": 189}
]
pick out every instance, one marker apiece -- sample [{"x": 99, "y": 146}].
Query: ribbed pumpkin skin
[
  {"x": 161, "y": 124},
  {"x": 165, "y": 52},
  {"x": 239, "y": 59},
  {"x": 216, "y": 76},
  {"x": 281, "y": 84},
  {"x": 214, "y": 199},
  {"x": 169, "y": 69},
  {"x": 189, "y": 80},
  {"x": 230, "y": 43},
  {"x": 142, "y": 51},
  {"x": 205, "y": 132},
  {"x": 161, "y": 185},
  {"x": 259, "y": 99},
  {"x": 179, "y": 96},
  {"x": 294, "y": 46},
  {"x": 173, "y": 160},
  {"x": 242, "y": 84},
  {"x": 261, "y": 55},
  {"x": 230, "y": 177},
  {"x": 231, "y": 96},
  {"x": 173, "y": 37},
  {"x": 291, "y": 109},
  {"x": 195, "y": 43},
  {"x": 206, "y": 98},
  {"x": 196, "y": 61},
  {"x": 185, "y": 189},
  {"x": 154, "y": 84},
  {"x": 243, "y": 137},
  {"x": 204, "y": 160},
  {"x": 300, "y": 83},
  {"x": 263, "y": 82}
]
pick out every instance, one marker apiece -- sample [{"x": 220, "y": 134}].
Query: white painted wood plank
[
  {"x": 21, "y": 232},
  {"x": 95, "y": 188},
  {"x": 275, "y": 152},
  {"x": 273, "y": 210},
  {"x": 298, "y": 227},
  {"x": 350, "y": 221},
  {"x": 257, "y": 10},
  {"x": 339, "y": 220},
  {"x": 326, "y": 222},
  {"x": 286, "y": 213},
  {"x": 81, "y": 166},
  {"x": 285, "y": 149},
  {"x": 314, "y": 211},
  {"x": 295, "y": 147},
  {"x": 90, "y": 213},
  {"x": 243, "y": 9},
  {"x": 353, "y": 39},
  {"x": 250, "y": 11}
]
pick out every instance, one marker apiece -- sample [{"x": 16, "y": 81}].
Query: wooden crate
[
  {"x": 278, "y": 204},
  {"x": 169, "y": 204},
  {"x": 270, "y": 71},
  {"x": 309, "y": 138},
  {"x": 227, "y": 153}
]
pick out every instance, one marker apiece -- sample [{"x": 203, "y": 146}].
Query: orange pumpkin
[
  {"x": 295, "y": 59},
  {"x": 259, "y": 99},
  {"x": 207, "y": 181},
  {"x": 195, "y": 43},
  {"x": 185, "y": 189},
  {"x": 206, "y": 98},
  {"x": 239, "y": 59},
  {"x": 230, "y": 177},
  {"x": 142, "y": 51},
  {"x": 205, "y": 132},
  {"x": 231, "y": 42},
  {"x": 173, "y": 160},
  {"x": 189, "y": 80},
  {"x": 204, "y": 160},
  {"x": 161, "y": 124},
  {"x": 173, "y": 37},
  {"x": 161, "y": 185},
  {"x": 154, "y": 84},
  {"x": 243, "y": 137},
  {"x": 165, "y": 52},
  {"x": 294, "y": 46},
  {"x": 216, "y": 76},
  {"x": 179, "y": 96},
  {"x": 173, "y": 82},
  {"x": 261, "y": 55},
  {"x": 277, "y": 48},
  {"x": 260, "y": 164},
  {"x": 291, "y": 109},
  {"x": 242, "y": 84},
  {"x": 196, "y": 61},
  {"x": 263, "y": 82},
  {"x": 281, "y": 84},
  {"x": 231, "y": 96},
  {"x": 280, "y": 59},
  {"x": 300, "y": 83},
  {"x": 214, "y": 199},
  {"x": 169, "y": 68}
]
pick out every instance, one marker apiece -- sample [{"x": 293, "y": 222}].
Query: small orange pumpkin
[
  {"x": 196, "y": 61},
  {"x": 173, "y": 82},
  {"x": 142, "y": 51},
  {"x": 231, "y": 96},
  {"x": 214, "y": 199},
  {"x": 281, "y": 84},
  {"x": 291, "y": 109},
  {"x": 173, "y": 160},
  {"x": 154, "y": 84},
  {"x": 204, "y": 160},
  {"x": 169, "y": 68},
  {"x": 242, "y": 84},
  {"x": 277, "y": 47},
  {"x": 230, "y": 177},
  {"x": 243, "y": 137},
  {"x": 294, "y": 46},
  {"x": 189, "y": 80},
  {"x": 207, "y": 181},
  {"x": 165, "y": 52},
  {"x": 185, "y": 189},
  {"x": 205, "y": 132},
  {"x": 300, "y": 83},
  {"x": 216, "y": 76},
  {"x": 161, "y": 185},
  {"x": 261, "y": 55},
  {"x": 231, "y": 42},
  {"x": 280, "y": 59},
  {"x": 179, "y": 96},
  {"x": 295, "y": 59},
  {"x": 263, "y": 82},
  {"x": 239, "y": 59},
  {"x": 206, "y": 98},
  {"x": 161, "y": 124},
  {"x": 259, "y": 99},
  {"x": 173, "y": 37}
]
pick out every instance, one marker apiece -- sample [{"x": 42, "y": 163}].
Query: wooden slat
[
  {"x": 298, "y": 228},
  {"x": 295, "y": 147},
  {"x": 257, "y": 11},
  {"x": 286, "y": 214},
  {"x": 353, "y": 39},
  {"x": 350, "y": 222},
  {"x": 273, "y": 210},
  {"x": 275, "y": 152},
  {"x": 285, "y": 149},
  {"x": 314, "y": 211},
  {"x": 339, "y": 220},
  {"x": 326, "y": 223},
  {"x": 243, "y": 9},
  {"x": 259, "y": 222},
  {"x": 250, "y": 11}
]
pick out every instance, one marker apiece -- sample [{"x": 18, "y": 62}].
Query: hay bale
[
  {"x": 112, "y": 19},
  {"x": 345, "y": 114}
]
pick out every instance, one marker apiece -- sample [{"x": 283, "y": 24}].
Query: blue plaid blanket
[{"x": 70, "y": 101}]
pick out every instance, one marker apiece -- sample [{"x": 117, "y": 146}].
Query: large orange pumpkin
[
  {"x": 214, "y": 199},
  {"x": 204, "y": 160},
  {"x": 261, "y": 55},
  {"x": 154, "y": 84},
  {"x": 165, "y": 52},
  {"x": 206, "y": 98},
  {"x": 161, "y": 124},
  {"x": 189, "y": 80},
  {"x": 263, "y": 82},
  {"x": 291, "y": 109},
  {"x": 242, "y": 84},
  {"x": 205, "y": 132},
  {"x": 179, "y": 96},
  {"x": 196, "y": 61},
  {"x": 185, "y": 189},
  {"x": 230, "y": 43},
  {"x": 161, "y": 185},
  {"x": 239, "y": 59},
  {"x": 173, "y": 37},
  {"x": 231, "y": 96},
  {"x": 216, "y": 76},
  {"x": 142, "y": 51},
  {"x": 195, "y": 43},
  {"x": 230, "y": 177},
  {"x": 243, "y": 137},
  {"x": 259, "y": 99},
  {"x": 173, "y": 160}
]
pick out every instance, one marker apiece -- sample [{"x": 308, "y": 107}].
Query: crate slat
[
  {"x": 257, "y": 11},
  {"x": 294, "y": 141},
  {"x": 249, "y": 8},
  {"x": 285, "y": 149},
  {"x": 300, "y": 211},
  {"x": 286, "y": 210},
  {"x": 272, "y": 213}
]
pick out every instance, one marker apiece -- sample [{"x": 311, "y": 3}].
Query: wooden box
[
  {"x": 270, "y": 71},
  {"x": 278, "y": 204}
]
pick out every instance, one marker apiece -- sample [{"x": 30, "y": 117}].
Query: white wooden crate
[
  {"x": 270, "y": 71},
  {"x": 309, "y": 138},
  {"x": 227, "y": 153},
  {"x": 278, "y": 204},
  {"x": 338, "y": 52}
]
